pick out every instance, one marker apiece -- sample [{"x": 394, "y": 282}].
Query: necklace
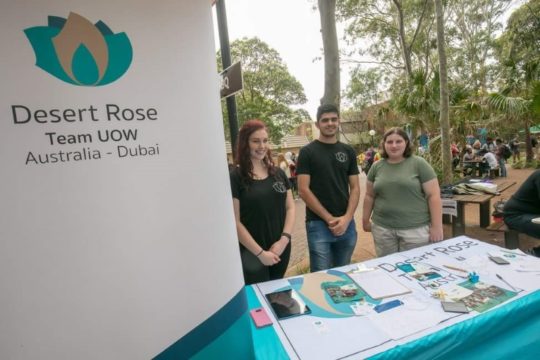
[{"x": 260, "y": 173}]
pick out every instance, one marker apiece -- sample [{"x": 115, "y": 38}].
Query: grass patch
[{"x": 524, "y": 164}]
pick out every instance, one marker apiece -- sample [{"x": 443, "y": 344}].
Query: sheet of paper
[
  {"x": 528, "y": 266},
  {"x": 331, "y": 338},
  {"x": 404, "y": 321},
  {"x": 378, "y": 284},
  {"x": 527, "y": 281},
  {"x": 456, "y": 292}
]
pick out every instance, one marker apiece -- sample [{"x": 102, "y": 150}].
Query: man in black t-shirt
[{"x": 328, "y": 183}]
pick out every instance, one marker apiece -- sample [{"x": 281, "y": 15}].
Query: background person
[
  {"x": 477, "y": 147},
  {"x": 377, "y": 156},
  {"x": 284, "y": 165},
  {"x": 490, "y": 161},
  {"x": 514, "y": 146},
  {"x": 469, "y": 139},
  {"x": 403, "y": 195},
  {"x": 535, "y": 147},
  {"x": 491, "y": 145},
  {"x": 523, "y": 207},
  {"x": 328, "y": 183},
  {"x": 454, "y": 149},
  {"x": 468, "y": 167},
  {"x": 365, "y": 159},
  {"x": 290, "y": 157},
  {"x": 263, "y": 207},
  {"x": 500, "y": 155}
]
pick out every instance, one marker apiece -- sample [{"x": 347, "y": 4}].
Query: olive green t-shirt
[{"x": 399, "y": 200}]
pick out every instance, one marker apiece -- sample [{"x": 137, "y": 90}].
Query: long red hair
[{"x": 243, "y": 157}]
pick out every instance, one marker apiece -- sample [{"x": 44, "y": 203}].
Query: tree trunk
[
  {"x": 444, "y": 118},
  {"x": 402, "y": 40},
  {"x": 332, "y": 87}
]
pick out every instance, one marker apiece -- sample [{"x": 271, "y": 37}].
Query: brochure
[
  {"x": 479, "y": 296},
  {"x": 342, "y": 291}
]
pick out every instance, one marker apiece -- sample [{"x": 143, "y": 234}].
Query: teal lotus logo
[{"x": 80, "y": 53}]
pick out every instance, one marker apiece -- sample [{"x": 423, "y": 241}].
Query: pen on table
[
  {"x": 455, "y": 268},
  {"x": 506, "y": 282}
]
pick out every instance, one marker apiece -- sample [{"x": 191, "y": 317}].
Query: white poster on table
[
  {"x": 116, "y": 214},
  {"x": 346, "y": 322}
]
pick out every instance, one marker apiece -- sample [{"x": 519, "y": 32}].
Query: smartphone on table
[
  {"x": 498, "y": 260},
  {"x": 260, "y": 317},
  {"x": 456, "y": 307}
]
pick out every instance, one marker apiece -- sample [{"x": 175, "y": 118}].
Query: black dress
[{"x": 262, "y": 212}]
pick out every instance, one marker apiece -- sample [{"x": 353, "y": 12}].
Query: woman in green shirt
[{"x": 402, "y": 206}]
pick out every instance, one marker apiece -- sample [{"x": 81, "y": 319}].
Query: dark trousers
[
  {"x": 523, "y": 224},
  {"x": 255, "y": 271}
]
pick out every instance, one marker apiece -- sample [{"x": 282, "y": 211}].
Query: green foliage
[
  {"x": 270, "y": 91},
  {"x": 434, "y": 157},
  {"x": 470, "y": 30},
  {"x": 524, "y": 164},
  {"x": 519, "y": 46},
  {"x": 365, "y": 88},
  {"x": 519, "y": 55},
  {"x": 472, "y": 26},
  {"x": 421, "y": 98},
  {"x": 513, "y": 106},
  {"x": 372, "y": 31},
  {"x": 535, "y": 106}
]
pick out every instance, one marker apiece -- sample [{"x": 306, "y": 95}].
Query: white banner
[{"x": 116, "y": 211}]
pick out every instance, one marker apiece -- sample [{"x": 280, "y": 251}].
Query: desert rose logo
[{"x": 80, "y": 53}]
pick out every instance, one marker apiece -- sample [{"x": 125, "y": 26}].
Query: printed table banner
[{"x": 361, "y": 310}]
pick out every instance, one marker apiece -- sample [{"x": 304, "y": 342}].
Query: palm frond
[{"x": 513, "y": 106}]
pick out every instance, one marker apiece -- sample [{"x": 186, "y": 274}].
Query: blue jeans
[
  {"x": 502, "y": 167},
  {"x": 326, "y": 250}
]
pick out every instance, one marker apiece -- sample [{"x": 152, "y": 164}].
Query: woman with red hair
[{"x": 263, "y": 206}]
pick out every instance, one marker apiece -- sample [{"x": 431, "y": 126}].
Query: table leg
[
  {"x": 458, "y": 222},
  {"x": 485, "y": 217}
]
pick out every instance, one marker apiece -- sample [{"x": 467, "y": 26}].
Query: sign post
[{"x": 231, "y": 80}]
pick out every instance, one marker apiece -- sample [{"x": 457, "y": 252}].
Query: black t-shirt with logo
[
  {"x": 262, "y": 205},
  {"x": 329, "y": 167}
]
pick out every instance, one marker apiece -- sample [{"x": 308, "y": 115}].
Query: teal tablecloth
[
  {"x": 511, "y": 331},
  {"x": 265, "y": 340}
]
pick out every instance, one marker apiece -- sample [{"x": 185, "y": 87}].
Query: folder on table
[{"x": 378, "y": 284}]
